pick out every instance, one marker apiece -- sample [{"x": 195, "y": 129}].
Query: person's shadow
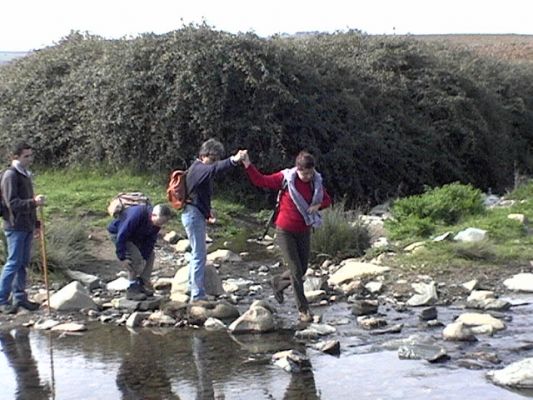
[{"x": 17, "y": 350}]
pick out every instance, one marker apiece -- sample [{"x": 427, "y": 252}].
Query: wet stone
[
  {"x": 332, "y": 347},
  {"x": 397, "y": 328},
  {"x": 150, "y": 304},
  {"x": 125, "y": 304},
  {"x": 365, "y": 307},
  {"x": 421, "y": 351},
  {"x": 428, "y": 314}
]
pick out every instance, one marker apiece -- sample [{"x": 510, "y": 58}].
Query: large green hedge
[{"x": 385, "y": 116}]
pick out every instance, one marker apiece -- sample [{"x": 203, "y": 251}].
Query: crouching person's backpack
[
  {"x": 124, "y": 200},
  {"x": 177, "y": 189}
]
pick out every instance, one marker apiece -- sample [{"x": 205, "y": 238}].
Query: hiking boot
[
  {"x": 8, "y": 309},
  {"x": 278, "y": 293},
  {"x": 134, "y": 293},
  {"x": 305, "y": 316},
  {"x": 146, "y": 287},
  {"x": 28, "y": 305},
  {"x": 147, "y": 291}
]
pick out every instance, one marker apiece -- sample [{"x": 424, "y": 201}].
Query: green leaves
[{"x": 385, "y": 116}]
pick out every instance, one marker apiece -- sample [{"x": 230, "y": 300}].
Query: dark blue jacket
[
  {"x": 134, "y": 224},
  {"x": 200, "y": 182}
]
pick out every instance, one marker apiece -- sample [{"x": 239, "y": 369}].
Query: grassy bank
[
  {"x": 78, "y": 198},
  {"x": 509, "y": 240}
]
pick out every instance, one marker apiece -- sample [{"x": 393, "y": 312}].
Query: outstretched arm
[{"x": 273, "y": 181}]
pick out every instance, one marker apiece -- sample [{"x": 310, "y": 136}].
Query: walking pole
[{"x": 43, "y": 257}]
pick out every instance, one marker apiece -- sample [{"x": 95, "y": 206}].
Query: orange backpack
[{"x": 177, "y": 189}]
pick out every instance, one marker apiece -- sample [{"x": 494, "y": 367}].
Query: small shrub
[
  {"x": 476, "y": 251},
  {"x": 420, "y": 214},
  {"x": 338, "y": 237},
  {"x": 410, "y": 227},
  {"x": 522, "y": 192},
  {"x": 65, "y": 247}
]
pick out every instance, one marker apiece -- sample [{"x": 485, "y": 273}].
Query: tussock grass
[{"x": 341, "y": 235}]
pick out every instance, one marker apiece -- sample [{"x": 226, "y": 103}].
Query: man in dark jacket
[
  {"x": 134, "y": 233},
  {"x": 20, "y": 222},
  {"x": 197, "y": 212}
]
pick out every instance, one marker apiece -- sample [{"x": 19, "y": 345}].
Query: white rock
[
  {"x": 182, "y": 245},
  {"x": 476, "y": 319},
  {"x": 353, "y": 269},
  {"x": 521, "y": 218},
  {"x": 223, "y": 255},
  {"x": 47, "y": 324},
  {"x": 470, "y": 285},
  {"x": 457, "y": 331},
  {"x": 214, "y": 324},
  {"x": 471, "y": 235},
  {"x": 72, "y": 297},
  {"x": 521, "y": 282},
  {"x": 70, "y": 327},
  {"x": 518, "y": 374},
  {"x": 118, "y": 285}
]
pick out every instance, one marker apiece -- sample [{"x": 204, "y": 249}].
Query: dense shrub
[
  {"x": 385, "y": 116},
  {"x": 419, "y": 215}
]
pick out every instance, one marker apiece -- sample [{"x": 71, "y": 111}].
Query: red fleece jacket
[{"x": 288, "y": 217}]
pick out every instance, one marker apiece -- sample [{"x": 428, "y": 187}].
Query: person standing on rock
[
  {"x": 20, "y": 223},
  {"x": 302, "y": 196},
  {"x": 134, "y": 233},
  {"x": 197, "y": 212}
]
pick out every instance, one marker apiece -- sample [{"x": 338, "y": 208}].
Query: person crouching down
[{"x": 134, "y": 233}]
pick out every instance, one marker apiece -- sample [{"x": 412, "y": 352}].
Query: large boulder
[
  {"x": 72, "y": 297},
  {"x": 213, "y": 283}
]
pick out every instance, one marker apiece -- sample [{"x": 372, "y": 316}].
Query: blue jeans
[
  {"x": 195, "y": 225},
  {"x": 13, "y": 276}
]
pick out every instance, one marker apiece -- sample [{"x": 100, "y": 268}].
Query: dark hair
[
  {"x": 211, "y": 148},
  {"x": 19, "y": 147},
  {"x": 304, "y": 160}
]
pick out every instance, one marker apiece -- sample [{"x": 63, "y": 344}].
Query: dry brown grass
[{"x": 510, "y": 47}]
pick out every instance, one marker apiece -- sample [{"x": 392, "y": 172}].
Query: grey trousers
[
  {"x": 139, "y": 267},
  {"x": 295, "y": 248}
]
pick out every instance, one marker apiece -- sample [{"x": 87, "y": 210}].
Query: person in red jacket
[{"x": 302, "y": 196}]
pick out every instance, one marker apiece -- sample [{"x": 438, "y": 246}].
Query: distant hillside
[
  {"x": 6, "y": 56},
  {"x": 509, "y": 47}
]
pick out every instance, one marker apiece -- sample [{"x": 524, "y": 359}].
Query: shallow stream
[{"x": 112, "y": 362}]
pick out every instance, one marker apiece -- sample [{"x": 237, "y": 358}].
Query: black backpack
[
  {"x": 3, "y": 207},
  {"x": 272, "y": 217}
]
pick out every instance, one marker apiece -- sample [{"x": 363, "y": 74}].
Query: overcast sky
[{"x": 33, "y": 24}]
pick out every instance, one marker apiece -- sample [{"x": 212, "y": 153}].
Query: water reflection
[
  {"x": 302, "y": 387},
  {"x": 200, "y": 353},
  {"x": 17, "y": 350},
  {"x": 142, "y": 374},
  {"x": 109, "y": 362}
]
